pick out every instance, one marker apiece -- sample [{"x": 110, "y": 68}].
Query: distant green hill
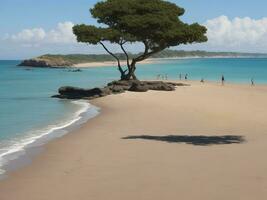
[
  {"x": 181, "y": 53},
  {"x": 50, "y": 60}
]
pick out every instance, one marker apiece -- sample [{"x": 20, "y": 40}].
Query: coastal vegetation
[
  {"x": 53, "y": 60},
  {"x": 153, "y": 23}
]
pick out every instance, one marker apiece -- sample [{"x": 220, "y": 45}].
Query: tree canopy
[{"x": 155, "y": 23}]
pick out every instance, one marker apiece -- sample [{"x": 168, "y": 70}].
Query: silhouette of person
[
  {"x": 252, "y": 82},
  {"x": 223, "y": 79},
  {"x": 186, "y": 77},
  {"x": 180, "y": 76}
]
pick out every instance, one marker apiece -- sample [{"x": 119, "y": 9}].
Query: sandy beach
[
  {"x": 112, "y": 63},
  {"x": 205, "y": 141},
  {"x": 147, "y": 61}
]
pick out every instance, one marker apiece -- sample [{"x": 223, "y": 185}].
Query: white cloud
[
  {"x": 225, "y": 34},
  {"x": 29, "y": 35},
  {"x": 237, "y": 34},
  {"x": 62, "y": 34}
]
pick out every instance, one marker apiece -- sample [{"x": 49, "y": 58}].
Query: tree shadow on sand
[{"x": 199, "y": 140}]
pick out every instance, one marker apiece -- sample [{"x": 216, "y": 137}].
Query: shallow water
[{"x": 235, "y": 70}]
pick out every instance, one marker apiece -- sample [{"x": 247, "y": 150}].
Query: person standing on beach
[
  {"x": 166, "y": 77},
  {"x": 223, "y": 79},
  {"x": 186, "y": 77},
  {"x": 180, "y": 77},
  {"x": 252, "y": 82}
]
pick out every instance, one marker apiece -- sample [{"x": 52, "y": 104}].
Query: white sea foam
[{"x": 18, "y": 147}]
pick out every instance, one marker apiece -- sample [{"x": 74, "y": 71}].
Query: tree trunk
[{"x": 131, "y": 73}]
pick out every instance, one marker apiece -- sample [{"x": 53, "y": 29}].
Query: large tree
[{"x": 154, "y": 23}]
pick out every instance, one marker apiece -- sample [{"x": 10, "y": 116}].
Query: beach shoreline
[
  {"x": 21, "y": 153},
  {"x": 148, "y": 61},
  {"x": 128, "y": 153},
  {"x": 111, "y": 63}
]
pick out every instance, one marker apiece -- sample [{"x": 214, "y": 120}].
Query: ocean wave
[{"x": 17, "y": 147}]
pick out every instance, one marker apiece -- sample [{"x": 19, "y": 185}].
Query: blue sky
[{"x": 18, "y": 15}]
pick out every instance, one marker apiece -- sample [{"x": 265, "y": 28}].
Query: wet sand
[{"x": 205, "y": 141}]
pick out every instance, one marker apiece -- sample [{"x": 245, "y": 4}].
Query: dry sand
[
  {"x": 96, "y": 163},
  {"x": 111, "y": 63}
]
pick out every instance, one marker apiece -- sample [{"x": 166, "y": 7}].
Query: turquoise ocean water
[{"x": 28, "y": 114}]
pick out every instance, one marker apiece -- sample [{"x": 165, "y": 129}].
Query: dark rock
[
  {"x": 44, "y": 63},
  {"x": 59, "y": 96},
  {"x": 79, "y": 93},
  {"x": 138, "y": 87},
  {"x": 34, "y": 63},
  {"x": 160, "y": 85},
  {"x": 115, "y": 87},
  {"x": 121, "y": 83},
  {"x": 125, "y": 85},
  {"x": 74, "y": 70}
]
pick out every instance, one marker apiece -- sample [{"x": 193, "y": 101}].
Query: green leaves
[
  {"x": 155, "y": 22},
  {"x": 87, "y": 34},
  {"x": 94, "y": 35}
]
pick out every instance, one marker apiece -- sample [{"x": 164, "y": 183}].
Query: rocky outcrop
[
  {"x": 79, "y": 93},
  {"x": 139, "y": 87},
  {"x": 38, "y": 62},
  {"x": 161, "y": 86},
  {"x": 115, "y": 87}
]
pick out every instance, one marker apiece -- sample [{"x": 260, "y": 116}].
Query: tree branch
[
  {"x": 147, "y": 55},
  {"x": 146, "y": 46},
  {"x": 126, "y": 54},
  {"x": 114, "y": 56}
]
